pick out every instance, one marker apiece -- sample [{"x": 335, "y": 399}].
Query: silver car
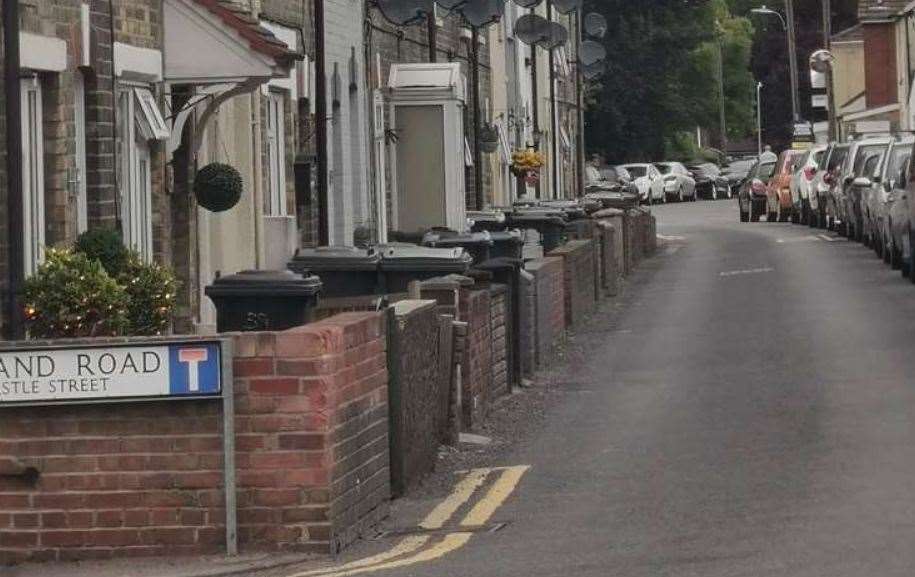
[
  {"x": 866, "y": 164},
  {"x": 896, "y": 231},
  {"x": 882, "y": 199}
]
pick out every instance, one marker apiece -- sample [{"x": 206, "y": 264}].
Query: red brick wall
[
  {"x": 146, "y": 478},
  {"x": 477, "y": 362},
  {"x": 880, "y": 64},
  {"x": 499, "y": 325},
  {"x": 578, "y": 270}
]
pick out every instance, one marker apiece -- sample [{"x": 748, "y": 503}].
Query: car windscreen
[
  {"x": 896, "y": 163},
  {"x": 740, "y": 166},
  {"x": 868, "y": 159},
  {"x": 837, "y": 158},
  {"x": 818, "y": 157},
  {"x": 637, "y": 171},
  {"x": 664, "y": 168}
]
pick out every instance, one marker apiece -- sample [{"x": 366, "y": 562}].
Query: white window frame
[
  {"x": 276, "y": 155},
  {"x": 78, "y": 179},
  {"x": 138, "y": 126},
  {"x": 33, "y": 209}
]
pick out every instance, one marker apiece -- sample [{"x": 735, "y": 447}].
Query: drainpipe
[
  {"x": 432, "y": 28},
  {"x": 477, "y": 121},
  {"x": 321, "y": 125},
  {"x": 15, "y": 328},
  {"x": 554, "y": 127}
]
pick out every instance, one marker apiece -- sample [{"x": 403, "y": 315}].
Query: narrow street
[{"x": 748, "y": 413}]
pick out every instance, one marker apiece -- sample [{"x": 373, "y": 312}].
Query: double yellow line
[{"x": 420, "y": 548}]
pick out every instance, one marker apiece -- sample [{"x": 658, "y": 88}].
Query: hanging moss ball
[{"x": 217, "y": 187}]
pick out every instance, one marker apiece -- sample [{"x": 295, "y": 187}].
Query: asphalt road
[{"x": 751, "y": 412}]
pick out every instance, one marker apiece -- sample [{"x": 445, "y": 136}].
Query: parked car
[
  {"x": 615, "y": 175},
  {"x": 736, "y": 172},
  {"x": 709, "y": 182},
  {"x": 802, "y": 180},
  {"x": 823, "y": 181},
  {"x": 778, "y": 190},
  {"x": 866, "y": 165},
  {"x": 751, "y": 198},
  {"x": 678, "y": 184},
  {"x": 886, "y": 210},
  {"x": 648, "y": 180}
]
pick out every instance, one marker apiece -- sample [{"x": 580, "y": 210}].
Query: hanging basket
[{"x": 217, "y": 187}]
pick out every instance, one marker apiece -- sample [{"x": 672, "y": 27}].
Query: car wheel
[
  {"x": 744, "y": 215},
  {"x": 795, "y": 216},
  {"x": 680, "y": 194},
  {"x": 895, "y": 259},
  {"x": 754, "y": 213},
  {"x": 879, "y": 244},
  {"x": 821, "y": 218}
]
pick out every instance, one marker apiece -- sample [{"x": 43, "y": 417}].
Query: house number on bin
[{"x": 257, "y": 322}]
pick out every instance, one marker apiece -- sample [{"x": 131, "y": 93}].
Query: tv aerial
[{"x": 592, "y": 52}]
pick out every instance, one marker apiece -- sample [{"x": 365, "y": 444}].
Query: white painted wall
[{"x": 348, "y": 146}]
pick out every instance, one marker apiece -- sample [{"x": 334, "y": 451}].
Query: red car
[{"x": 779, "y": 205}]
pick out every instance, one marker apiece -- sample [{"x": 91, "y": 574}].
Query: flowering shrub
[
  {"x": 150, "y": 292},
  {"x": 73, "y": 296}
]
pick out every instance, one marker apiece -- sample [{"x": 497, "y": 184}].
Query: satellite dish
[
  {"x": 558, "y": 36},
  {"x": 480, "y": 13},
  {"x": 405, "y": 12},
  {"x": 449, "y": 4},
  {"x": 596, "y": 25},
  {"x": 528, "y": 3},
  {"x": 566, "y": 6},
  {"x": 532, "y": 29},
  {"x": 592, "y": 52},
  {"x": 821, "y": 60},
  {"x": 592, "y": 71}
]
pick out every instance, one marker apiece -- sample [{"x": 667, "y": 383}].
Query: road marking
[
  {"x": 461, "y": 494},
  {"x": 408, "y": 545},
  {"x": 809, "y": 238},
  {"x": 828, "y": 238},
  {"x": 747, "y": 271},
  {"x": 410, "y": 551},
  {"x": 665, "y": 237},
  {"x": 497, "y": 495}
]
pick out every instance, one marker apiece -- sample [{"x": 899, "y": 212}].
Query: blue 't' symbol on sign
[{"x": 194, "y": 369}]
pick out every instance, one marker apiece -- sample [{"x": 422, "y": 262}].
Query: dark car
[
  {"x": 736, "y": 172},
  {"x": 752, "y": 196},
  {"x": 709, "y": 183}
]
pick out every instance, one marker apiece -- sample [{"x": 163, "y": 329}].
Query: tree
[{"x": 661, "y": 80}]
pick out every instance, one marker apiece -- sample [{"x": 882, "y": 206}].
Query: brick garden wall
[
  {"x": 578, "y": 271},
  {"x": 420, "y": 381},
  {"x": 500, "y": 322},
  {"x": 146, "y": 478},
  {"x": 550, "y": 319},
  {"x": 477, "y": 362}
]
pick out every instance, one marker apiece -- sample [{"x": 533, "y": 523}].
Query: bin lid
[
  {"x": 608, "y": 213},
  {"x": 512, "y": 235},
  {"x": 266, "y": 283},
  {"x": 333, "y": 258},
  {"x": 486, "y": 215},
  {"x": 533, "y": 218},
  {"x": 450, "y": 239},
  {"x": 411, "y": 257},
  {"x": 500, "y": 263}
]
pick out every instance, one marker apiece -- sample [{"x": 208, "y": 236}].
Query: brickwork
[
  {"x": 526, "y": 333},
  {"x": 550, "y": 314},
  {"x": 607, "y": 256},
  {"x": 4, "y": 188},
  {"x": 477, "y": 362},
  {"x": 579, "y": 279},
  {"x": 500, "y": 324},
  {"x": 146, "y": 478},
  {"x": 419, "y": 391}
]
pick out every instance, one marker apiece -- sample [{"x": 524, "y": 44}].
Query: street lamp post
[
  {"x": 722, "y": 120},
  {"x": 788, "y": 27}
]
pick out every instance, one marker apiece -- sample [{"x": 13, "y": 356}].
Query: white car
[
  {"x": 886, "y": 207},
  {"x": 648, "y": 180},
  {"x": 802, "y": 181},
  {"x": 678, "y": 182}
]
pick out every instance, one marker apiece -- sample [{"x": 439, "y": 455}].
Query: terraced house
[{"x": 124, "y": 101}]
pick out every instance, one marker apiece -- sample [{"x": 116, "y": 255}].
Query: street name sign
[{"x": 164, "y": 370}]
